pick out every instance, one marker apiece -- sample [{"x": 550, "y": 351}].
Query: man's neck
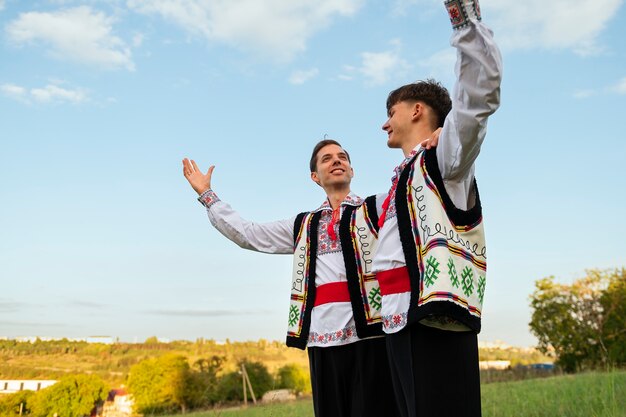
[
  {"x": 419, "y": 134},
  {"x": 336, "y": 196}
]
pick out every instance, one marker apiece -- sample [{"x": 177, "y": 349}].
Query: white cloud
[
  {"x": 51, "y": 93},
  {"x": 440, "y": 66},
  {"x": 380, "y": 67},
  {"x": 277, "y": 28},
  {"x": 79, "y": 34},
  {"x": 300, "y": 77},
  {"x": 568, "y": 24},
  {"x": 14, "y": 91},
  {"x": 620, "y": 87},
  {"x": 400, "y": 7},
  {"x": 582, "y": 94},
  {"x": 138, "y": 40},
  {"x": 1, "y": 5}
]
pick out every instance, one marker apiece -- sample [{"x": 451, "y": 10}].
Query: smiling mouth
[{"x": 340, "y": 170}]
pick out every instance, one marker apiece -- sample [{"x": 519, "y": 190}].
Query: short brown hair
[
  {"x": 431, "y": 92},
  {"x": 320, "y": 145}
]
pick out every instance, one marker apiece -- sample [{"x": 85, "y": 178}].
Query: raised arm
[
  {"x": 271, "y": 237},
  {"x": 476, "y": 94}
]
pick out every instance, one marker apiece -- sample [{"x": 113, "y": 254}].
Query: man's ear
[
  {"x": 315, "y": 178},
  {"x": 418, "y": 111}
]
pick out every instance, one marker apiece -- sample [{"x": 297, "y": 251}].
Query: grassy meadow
[{"x": 593, "y": 394}]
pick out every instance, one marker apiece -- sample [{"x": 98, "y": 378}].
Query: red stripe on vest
[
  {"x": 394, "y": 281},
  {"x": 335, "y": 292}
]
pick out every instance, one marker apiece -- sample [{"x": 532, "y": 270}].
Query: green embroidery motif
[
  {"x": 481, "y": 287},
  {"x": 432, "y": 270},
  {"x": 375, "y": 298},
  {"x": 468, "y": 282},
  {"x": 454, "y": 277},
  {"x": 294, "y": 315}
]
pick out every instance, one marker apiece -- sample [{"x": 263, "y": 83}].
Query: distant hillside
[{"x": 53, "y": 359}]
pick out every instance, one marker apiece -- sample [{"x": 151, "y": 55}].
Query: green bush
[
  {"x": 10, "y": 404},
  {"x": 231, "y": 384},
  {"x": 72, "y": 396},
  {"x": 294, "y": 377}
]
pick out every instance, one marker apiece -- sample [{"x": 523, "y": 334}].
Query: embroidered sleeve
[
  {"x": 208, "y": 198},
  {"x": 476, "y": 93},
  {"x": 462, "y": 11}
]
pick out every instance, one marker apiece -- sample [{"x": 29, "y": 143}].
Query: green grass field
[{"x": 584, "y": 395}]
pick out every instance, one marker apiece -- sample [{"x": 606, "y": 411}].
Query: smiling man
[
  {"x": 431, "y": 258},
  {"x": 334, "y": 310}
]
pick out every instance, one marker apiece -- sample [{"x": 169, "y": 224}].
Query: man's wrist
[
  {"x": 461, "y": 12},
  {"x": 208, "y": 198}
]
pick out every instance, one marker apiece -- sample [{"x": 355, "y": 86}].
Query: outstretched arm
[
  {"x": 272, "y": 237},
  {"x": 476, "y": 94}
]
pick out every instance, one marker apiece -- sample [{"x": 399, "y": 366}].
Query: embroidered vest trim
[
  {"x": 303, "y": 281},
  {"x": 444, "y": 246},
  {"x": 358, "y": 233}
]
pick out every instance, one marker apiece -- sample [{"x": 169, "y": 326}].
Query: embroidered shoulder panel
[
  {"x": 300, "y": 278},
  {"x": 452, "y": 259}
]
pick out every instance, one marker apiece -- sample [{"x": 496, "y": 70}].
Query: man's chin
[{"x": 392, "y": 145}]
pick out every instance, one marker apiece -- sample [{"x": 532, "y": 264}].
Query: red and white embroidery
[
  {"x": 394, "y": 320},
  {"x": 347, "y": 335},
  {"x": 462, "y": 11},
  {"x": 325, "y": 243},
  {"x": 208, "y": 198}
]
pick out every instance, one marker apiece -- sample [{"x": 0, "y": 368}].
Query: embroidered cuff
[
  {"x": 208, "y": 198},
  {"x": 462, "y": 11}
]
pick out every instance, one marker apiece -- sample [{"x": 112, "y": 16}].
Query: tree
[
  {"x": 613, "y": 302},
  {"x": 158, "y": 385},
  {"x": 231, "y": 384},
  {"x": 583, "y": 322},
  {"x": 12, "y": 405},
  {"x": 152, "y": 340},
  {"x": 202, "y": 383},
  {"x": 72, "y": 396},
  {"x": 294, "y": 377}
]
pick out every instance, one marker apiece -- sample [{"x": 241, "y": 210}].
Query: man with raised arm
[
  {"x": 431, "y": 256},
  {"x": 334, "y": 309}
]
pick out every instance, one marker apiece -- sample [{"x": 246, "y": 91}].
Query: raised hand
[
  {"x": 432, "y": 141},
  {"x": 199, "y": 182}
]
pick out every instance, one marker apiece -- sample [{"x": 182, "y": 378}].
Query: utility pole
[
  {"x": 243, "y": 380},
  {"x": 246, "y": 380}
]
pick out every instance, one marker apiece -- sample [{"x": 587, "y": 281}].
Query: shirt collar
[{"x": 350, "y": 200}]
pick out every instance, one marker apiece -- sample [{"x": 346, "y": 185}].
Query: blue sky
[{"x": 100, "y": 233}]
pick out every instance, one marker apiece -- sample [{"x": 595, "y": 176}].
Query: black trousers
[
  {"x": 435, "y": 372},
  {"x": 352, "y": 380}
]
